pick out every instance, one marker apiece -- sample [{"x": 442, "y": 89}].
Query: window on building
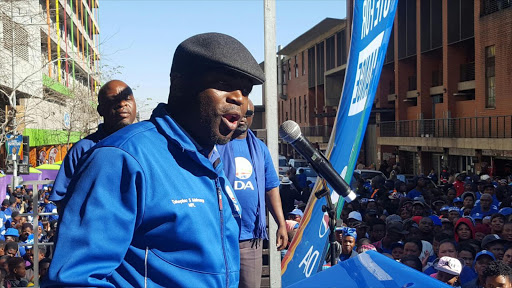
[
  {"x": 289, "y": 109},
  {"x": 295, "y": 109},
  {"x": 296, "y": 67},
  {"x": 303, "y": 65},
  {"x": 341, "y": 48},
  {"x": 300, "y": 110},
  {"x": 305, "y": 110},
  {"x": 20, "y": 39},
  {"x": 490, "y": 79},
  {"x": 330, "y": 53},
  {"x": 320, "y": 64},
  {"x": 289, "y": 69},
  {"x": 311, "y": 67}
]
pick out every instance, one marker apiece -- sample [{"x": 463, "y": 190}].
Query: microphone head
[{"x": 289, "y": 131}]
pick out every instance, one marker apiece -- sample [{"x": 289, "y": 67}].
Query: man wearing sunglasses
[{"x": 250, "y": 171}]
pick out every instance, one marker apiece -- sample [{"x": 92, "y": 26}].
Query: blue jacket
[
  {"x": 144, "y": 211},
  {"x": 71, "y": 161}
]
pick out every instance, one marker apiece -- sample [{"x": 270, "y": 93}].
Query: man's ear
[{"x": 98, "y": 108}]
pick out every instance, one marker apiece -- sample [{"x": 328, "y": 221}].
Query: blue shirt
[
  {"x": 246, "y": 188},
  {"x": 413, "y": 194},
  {"x": 50, "y": 207},
  {"x": 478, "y": 209}
]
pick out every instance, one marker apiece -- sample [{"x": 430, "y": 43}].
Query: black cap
[{"x": 216, "y": 50}]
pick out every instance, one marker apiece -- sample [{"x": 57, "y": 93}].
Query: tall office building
[{"x": 49, "y": 51}]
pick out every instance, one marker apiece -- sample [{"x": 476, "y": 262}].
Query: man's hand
[{"x": 281, "y": 238}]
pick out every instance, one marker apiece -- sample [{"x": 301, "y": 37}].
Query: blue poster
[
  {"x": 14, "y": 145},
  {"x": 371, "y": 28}
]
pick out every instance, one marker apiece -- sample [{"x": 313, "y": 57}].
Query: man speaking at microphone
[
  {"x": 150, "y": 206},
  {"x": 249, "y": 169}
]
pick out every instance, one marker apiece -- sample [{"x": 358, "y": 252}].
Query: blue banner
[
  {"x": 370, "y": 269},
  {"x": 371, "y": 28}
]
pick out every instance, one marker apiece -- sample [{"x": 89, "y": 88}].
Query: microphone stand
[{"x": 331, "y": 211}]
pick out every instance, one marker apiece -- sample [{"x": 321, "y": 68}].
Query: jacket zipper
[
  {"x": 146, "y": 268},
  {"x": 219, "y": 194}
]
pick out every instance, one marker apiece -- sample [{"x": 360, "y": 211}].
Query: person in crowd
[
  {"x": 394, "y": 233},
  {"x": 497, "y": 222},
  {"x": 484, "y": 208},
  {"x": 289, "y": 194},
  {"x": 302, "y": 178},
  {"x": 348, "y": 244},
  {"x": 377, "y": 230},
  {"x": 453, "y": 214},
  {"x": 194, "y": 222},
  {"x": 426, "y": 227},
  {"x": 481, "y": 231},
  {"x": 459, "y": 184},
  {"x": 44, "y": 266},
  {"x": 296, "y": 215},
  {"x": 482, "y": 260},
  {"x": 507, "y": 231},
  {"x": 448, "y": 270},
  {"x": 397, "y": 250},
  {"x": 413, "y": 247},
  {"x": 467, "y": 253},
  {"x": 457, "y": 203},
  {"x": 494, "y": 244},
  {"x": 118, "y": 108},
  {"x": 11, "y": 249},
  {"x": 468, "y": 200},
  {"x": 418, "y": 190},
  {"x": 464, "y": 230},
  {"x": 249, "y": 169},
  {"x": 419, "y": 208},
  {"x": 447, "y": 247},
  {"x": 16, "y": 274},
  {"x": 498, "y": 274},
  {"x": 412, "y": 261},
  {"x": 507, "y": 257},
  {"x": 29, "y": 261}
]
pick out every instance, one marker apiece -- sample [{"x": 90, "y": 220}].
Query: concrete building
[{"x": 53, "y": 47}]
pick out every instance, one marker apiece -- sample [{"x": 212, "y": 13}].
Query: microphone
[{"x": 289, "y": 131}]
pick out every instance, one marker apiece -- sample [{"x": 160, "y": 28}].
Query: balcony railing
[
  {"x": 319, "y": 131},
  {"x": 473, "y": 127}
]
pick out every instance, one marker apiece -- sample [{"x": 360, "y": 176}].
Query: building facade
[
  {"x": 311, "y": 70},
  {"x": 49, "y": 52},
  {"x": 444, "y": 93},
  {"x": 447, "y": 76}
]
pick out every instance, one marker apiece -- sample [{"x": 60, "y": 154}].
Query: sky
[{"x": 138, "y": 37}]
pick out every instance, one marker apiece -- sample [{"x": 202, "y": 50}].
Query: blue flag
[{"x": 373, "y": 21}]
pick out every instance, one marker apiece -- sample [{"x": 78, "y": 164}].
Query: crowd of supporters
[
  {"x": 456, "y": 227},
  {"x": 17, "y": 236}
]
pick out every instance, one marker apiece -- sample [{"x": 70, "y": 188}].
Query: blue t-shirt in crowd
[
  {"x": 478, "y": 209},
  {"x": 495, "y": 201},
  {"x": 413, "y": 194},
  {"x": 245, "y": 185}
]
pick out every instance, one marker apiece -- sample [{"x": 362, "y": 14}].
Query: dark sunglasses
[{"x": 249, "y": 113}]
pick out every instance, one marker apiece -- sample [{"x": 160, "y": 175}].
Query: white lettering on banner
[
  {"x": 309, "y": 261},
  {"x": 240, "y": 185},
  {"x": 373, "y": 12},
  {"x": 365, "y": 75}
]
